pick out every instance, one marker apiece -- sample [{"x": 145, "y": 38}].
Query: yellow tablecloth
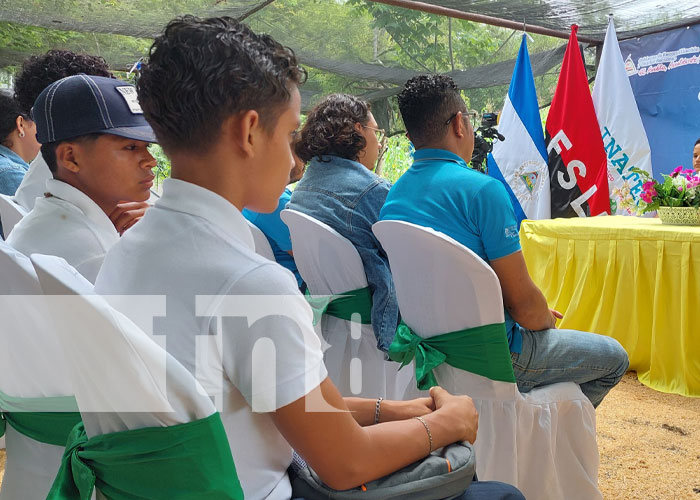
[{"x": 633, "y": 279}]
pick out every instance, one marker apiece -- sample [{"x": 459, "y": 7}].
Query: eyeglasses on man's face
[
  {"x": 472, "y": 117},
  {"x": 379, "y": 132}
]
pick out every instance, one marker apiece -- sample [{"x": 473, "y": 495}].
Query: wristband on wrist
[
  {"x": 377, "y": 409},
  {"x": 430, "y": 436}
]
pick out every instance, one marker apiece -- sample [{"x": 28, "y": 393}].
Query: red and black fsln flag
[{"x": 577, "y": 160}]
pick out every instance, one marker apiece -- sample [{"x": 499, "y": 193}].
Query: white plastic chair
[
  {"x": 10, "y": 213},
  {"x": 262, "y": 246},
  {"x": 119, "y": 372},
  {"x": 544, "y": 441},
  {"x": 330, "y": 265},
  {"x": 31, "y": 365}
]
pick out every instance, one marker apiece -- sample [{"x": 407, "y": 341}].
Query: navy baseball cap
[{"x": 82, "y": 104}]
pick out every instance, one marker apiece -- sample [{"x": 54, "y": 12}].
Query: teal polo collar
[{"x": 428, "y": 154}]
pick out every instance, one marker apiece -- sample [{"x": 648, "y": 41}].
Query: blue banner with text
[{"x": 664, "y": 71}]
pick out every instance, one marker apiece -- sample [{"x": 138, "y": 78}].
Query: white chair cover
[
  {"x": 262, "y": 246},
  {"x": 31, "y": 365},
  {"x": 10, "y": 213},
  {"x": 544, "y": 441},
  {"x": 330, "y": 264},
  {"x": 119, "y": 372}
]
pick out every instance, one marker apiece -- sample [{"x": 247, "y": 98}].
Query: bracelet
[
  {"x": 378, "y": 409},
  {"x": 427, "y": 429}
]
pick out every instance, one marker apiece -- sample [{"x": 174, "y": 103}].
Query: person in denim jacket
[
  {"x": 18, "y": 145},
  {"x": 340, "y": 142}
]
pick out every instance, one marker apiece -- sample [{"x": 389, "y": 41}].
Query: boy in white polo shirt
[
  {"x": 224, "y": 104},
  {"x": 37, "y": 73},
  {"x": 94, "y": 140}
]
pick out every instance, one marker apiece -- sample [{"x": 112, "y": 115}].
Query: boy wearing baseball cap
[{"x": 94, "y": 140}]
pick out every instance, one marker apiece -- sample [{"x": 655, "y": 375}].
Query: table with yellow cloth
[{"x": 631, "y": 278}]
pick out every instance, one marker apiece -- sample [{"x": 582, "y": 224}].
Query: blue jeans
[
  {"x": 594, "y": 362},
  {"x": 487, "y": 490},
  {"x": 491, "y": 490}
]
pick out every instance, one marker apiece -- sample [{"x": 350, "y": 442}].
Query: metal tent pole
[{"x": 480, "y": 18}]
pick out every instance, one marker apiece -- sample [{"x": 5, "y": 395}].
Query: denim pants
[{"x": 594, "y": 362}]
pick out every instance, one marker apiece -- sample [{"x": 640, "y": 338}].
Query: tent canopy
[{"x": 357, "y": 58}]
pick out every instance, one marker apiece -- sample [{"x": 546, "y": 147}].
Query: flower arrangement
[{"x": 679, "y": 189}]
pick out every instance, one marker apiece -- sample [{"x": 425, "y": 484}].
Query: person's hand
[
  {"x": 459, "y": 411},
  {"x": 127, "y": 214},
  {"x": 402, "y": 410},
  {"x": 555, "y": 316}
]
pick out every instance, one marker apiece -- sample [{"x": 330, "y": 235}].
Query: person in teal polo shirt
[
  {"x": 275, "y": 230},
  {"x": 440, "y": 191}
]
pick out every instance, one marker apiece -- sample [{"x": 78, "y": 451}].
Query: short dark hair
[
  {"x": 330, "y": 128},
  {"x": 696, "y": 143},
  {"x": 38, "y": 72},
  {"x": 9, "y": 111},
  {"x": 48, "y": 150},
  {"x": 426, "y": 103},
  {"x": 201, "y": 71}
]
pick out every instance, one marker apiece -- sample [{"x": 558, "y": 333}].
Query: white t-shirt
[
  {"x": 67, "y": 224},
  {"x": 33, "y": 184},
  {"x": 192, "y": 244}
]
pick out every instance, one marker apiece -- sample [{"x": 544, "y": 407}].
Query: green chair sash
[
  {"x": 343, "y": 305},
  {"x": 191, "y": 460},
  {"x": 47, "y": 419},
  {"x": 482, "y": 350}
]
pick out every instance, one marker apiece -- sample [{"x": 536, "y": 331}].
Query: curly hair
[
  {"x": 426, "y": 103},
  {"x": 330, "y": 128},
  {"x": 9, "y": 111},
  {"x": 38, "y": 72},
  {"x": 201, "y": 71}
]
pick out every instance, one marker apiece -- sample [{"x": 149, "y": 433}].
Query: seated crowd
[{"x": 224, "y": 104}]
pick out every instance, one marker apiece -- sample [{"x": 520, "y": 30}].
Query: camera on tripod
[{"x": 484, "y": 137}]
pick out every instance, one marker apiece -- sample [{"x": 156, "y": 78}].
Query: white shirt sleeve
[{"x": 270, "y": 350}]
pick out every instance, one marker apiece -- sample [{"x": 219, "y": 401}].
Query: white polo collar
[
  {"x": 185, "y": 197},
  {"x": 75, "y": 196}
]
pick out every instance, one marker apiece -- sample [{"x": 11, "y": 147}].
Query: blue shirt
[
  {"x": 441, "y": 192},
  {"x": 348, "y": 197},
  {"x": 12, "y": 170},
  {"x": 277, "y": 233}
]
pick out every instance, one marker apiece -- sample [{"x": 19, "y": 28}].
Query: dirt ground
[{"x": 649, "y": 444}]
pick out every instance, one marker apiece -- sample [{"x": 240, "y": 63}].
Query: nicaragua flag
[
  {"x": 520, "y": 162},
  {"x": 624, "y": 138}
]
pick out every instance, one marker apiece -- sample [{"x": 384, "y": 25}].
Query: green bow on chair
[
  {"x": 191, "y": 460},
  {"x": 45, "y": 419},
  {"x": 482, "y": 350},
  {"x": 343, "y": 305}
]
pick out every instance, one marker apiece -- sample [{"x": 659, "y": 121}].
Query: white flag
[{"x": 624, "y": 137}]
